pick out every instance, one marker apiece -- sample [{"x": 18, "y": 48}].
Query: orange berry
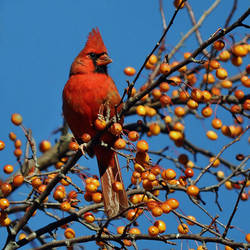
[
  {"x": 178, "y": 126},
  {"x": 245, "y": 81},
  {"x": 22, "y": 236},
  {"x": 216, "y": 163},
  {"x": 129, "y": 71},
  {"x": 66, "y": 182},
  {"x": 65, "y": 206},
  {"x": 226, "y": 84},
  {"x": 237, "y": 60},
  {"x": 246, "y": 104},
  {"x": 206, "y": 95},
  {"x": 221, "y": 73},
  {"x": 86, "y": 137},
  {"x": 2, "y": 145},
  {"x": 154, "y": 128},
  {"x": 173, "y": 203},
  {"x": 239, "y": 94},
  {"x": 134, "y": 230},
  {"x": 165, "y": 100},
  {"x": 216, "y": 123},
  {"x": 153, "y": 59},
  {"x": 133, "y": 135},
  {"x": 186, "y": 55},
  {"x": 193, "y": 190},
  {"x": 120, "y": 143},
  {"x": 140, "y": 110},
  {"x": 120, "y": 229},
  {"x": 191, "y": 79},
  {"x": 207, "y": 111},
  {"x": 167, "y": 119},
  {"x": 175, "y": 80},
  {"x": 197, "y": 94},
  {"x": 69, "y": 233},
  {"x": 156, "y": 93},
  {"x": 192, "y": 104},
  {"x": 215, "y": 91},
  {"x": 229, "y": 185},
  {"x": 36, "y": 182},
  {"x": 18, "y": 152},
  {"x": 6, "y": 188},
  {"x": 183, "y": 228},
  {"x": 18, "y": 180},
  {"x": 164, "y": 87},
  {"x": 16, "y": 119},
  {"x": 116, "y": 129},
  {"x": 168, "y": 174},
  {"x": 190, "y": 222},
  {"x": 18, "y": 143},
  {"x": 224, "y": 55},
  {"x": 74, "y": 146},
  {"x": 150, "y": 111},
  {"x": 183, "y": 96},
  {"x": 239, "y": 50},
  {"x": 175, "y": 135},
  {"x": 89, "y": 217},
  {"x": 214, "y": 64},
  {"x": 177, "y": 3},
  {"x": 189, "y": 172},
  {"x": 164, "y": 68},
  {"x": 153, "y": 230},
  {"x": 44, "y": 146},
  {"x": 100, "y": 124},
  {"x": 142, "y": 146},
  {"x": 97, "y": 197},
  {"x": 59, "y": 195},
  {"x": 248, "y": 237},
  {"x": 12, "y": 136},
  {"x": 4, "y": 203},
  {"x": 219, "y": 45},
  {"x": 208, "y": 78},
  {"x": 165, "y": 207},
  {"x": 157, "y": 211},
  {"x": 212, "y": 135},
  {"x": 179, "y": 111},
  {"x": 235, "y": 109},
  {"x": 117, "y": 186},
  {"x": 8, "y": 169},
  {"x": 161, "y": 225},
  {"x": 91, "y": 188},
  {"x": 6, "y": 222}
]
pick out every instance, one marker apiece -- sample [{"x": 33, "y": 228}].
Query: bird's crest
[{"x": 94, "y": 43}]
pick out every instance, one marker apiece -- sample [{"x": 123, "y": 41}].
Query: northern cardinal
[{"x": 89, "y": 93}]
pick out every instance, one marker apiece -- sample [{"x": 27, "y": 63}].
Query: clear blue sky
[{"x": 39, "y": 40}]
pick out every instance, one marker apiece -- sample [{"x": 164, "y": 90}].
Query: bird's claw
[{"x": 82, "y": 147}]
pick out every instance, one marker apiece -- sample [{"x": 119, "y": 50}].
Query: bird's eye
[{"x": 92, "y": 55}]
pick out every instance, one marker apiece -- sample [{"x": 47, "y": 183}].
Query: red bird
[{"x": 89, "y": 93}]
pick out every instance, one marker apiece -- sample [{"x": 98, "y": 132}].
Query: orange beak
[{"x": 103, "y": 60}]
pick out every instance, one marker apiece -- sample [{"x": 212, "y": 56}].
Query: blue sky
[{"x": 39, "y": 40}]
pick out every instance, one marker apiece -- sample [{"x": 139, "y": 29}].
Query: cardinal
[{"x": 90, "y": 93}]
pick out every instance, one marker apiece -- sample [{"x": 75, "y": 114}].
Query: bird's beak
[{"x": 103, "y": 60}]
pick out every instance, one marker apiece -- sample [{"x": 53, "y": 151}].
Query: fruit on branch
[
  {"x": 16, "y": 119},
  {"x": 193, "y": 190},
  {"x": 219, "y": 45},
  {"x": 44, "y": 146},
  {"x": 183, "y": 228},
  {"x": 212, "y": 135},
  {"x": 8, "y": 169},
  {"x": 129, "y": 71}
]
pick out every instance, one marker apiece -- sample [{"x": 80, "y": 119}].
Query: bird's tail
[{"x": 109, "y": 168}]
